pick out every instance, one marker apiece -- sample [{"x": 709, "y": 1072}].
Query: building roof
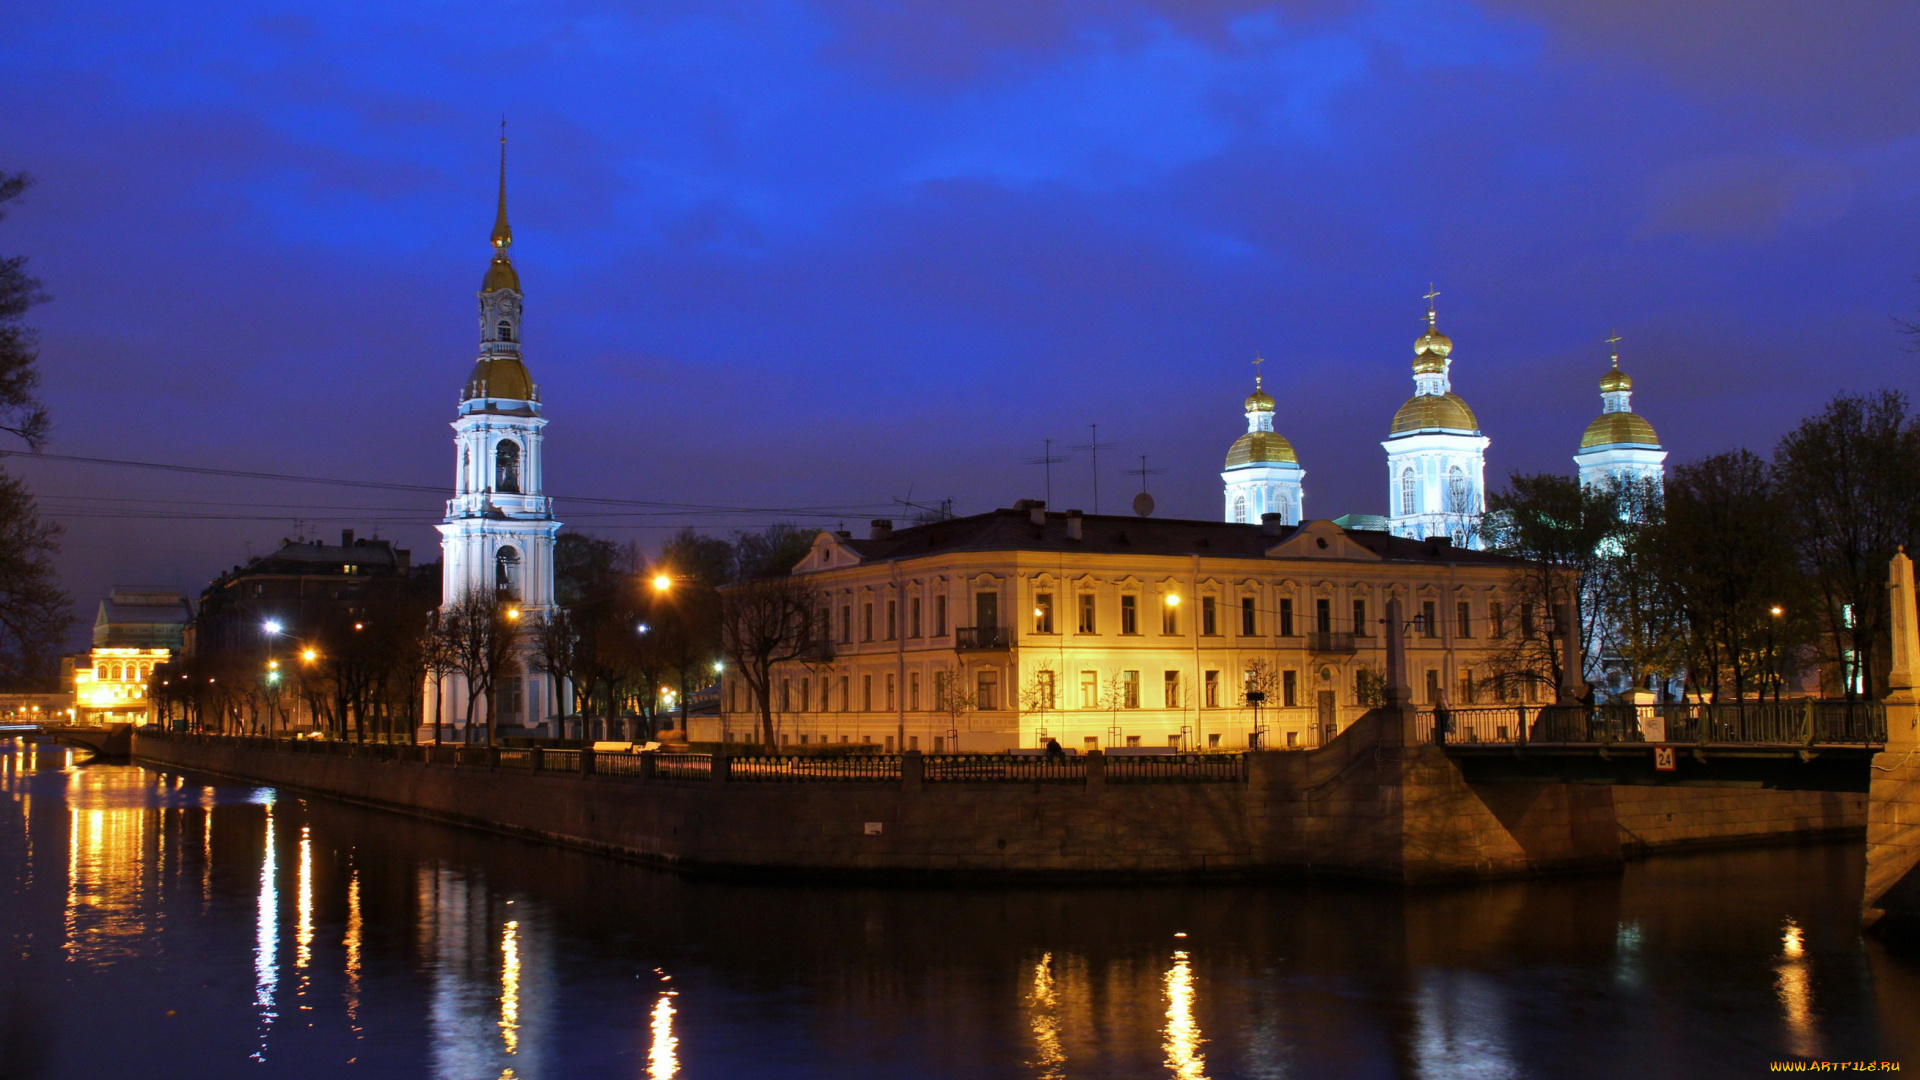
[
  {"x": 1619, "y": 429},
  {"x": 1434, "y": 412},
  {"x": 1259, "y": 448},
  {"x": 1013, "y": 530}
]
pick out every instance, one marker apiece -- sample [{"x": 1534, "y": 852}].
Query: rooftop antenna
[
  {"x": 1048, "y": 460},
  {"x": 1093, "y": 447},
  {"x": 1143, "y": 502}
]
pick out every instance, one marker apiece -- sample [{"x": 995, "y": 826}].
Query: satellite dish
[{"x": 1143, "y": 504}]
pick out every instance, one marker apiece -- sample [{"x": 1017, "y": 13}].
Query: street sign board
[{"x": 1663, "y": 759}]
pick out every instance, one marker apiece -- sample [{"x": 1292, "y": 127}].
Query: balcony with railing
[
  {"x": 1326, "y": 641},
  {"x": 979, "y": 638}
]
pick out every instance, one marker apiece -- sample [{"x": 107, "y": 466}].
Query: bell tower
[{"x": 499, "y": 530}]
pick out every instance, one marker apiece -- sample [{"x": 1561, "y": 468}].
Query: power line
[{"x": 246, "y": 474}]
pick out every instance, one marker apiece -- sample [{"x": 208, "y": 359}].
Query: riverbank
[{"x": 1362, "y": 806}]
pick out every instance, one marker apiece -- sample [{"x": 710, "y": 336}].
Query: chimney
[
  {"x": 1073, "y": 524},
  {"x": 882, "y": 529},
  {"x": 1036, "y": 510},
  {"x": 346, "y": 537},
  {"x": 1270, "y": 524}
]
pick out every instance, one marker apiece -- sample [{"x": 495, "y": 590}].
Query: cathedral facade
[{"x": 498, "y": 535}]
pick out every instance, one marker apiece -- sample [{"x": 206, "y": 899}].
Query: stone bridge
[{"x": 109, "y": 741}]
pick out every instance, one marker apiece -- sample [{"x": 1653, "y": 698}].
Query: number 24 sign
[{"x": 1663, "y": 759}]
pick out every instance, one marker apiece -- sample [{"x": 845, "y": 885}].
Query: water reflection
[
  {"x": 1794, "y": 984},
  {"x": 458, "y": 955},
  {"x": 1183, "y": 1034},
  {"x": 266, "y": 939},
  {"x": 663, "y": 1048},
  {"x": 1043, "y": 1006}
]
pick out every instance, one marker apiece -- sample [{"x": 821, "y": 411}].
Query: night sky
[{"x": 832, "y": 254}]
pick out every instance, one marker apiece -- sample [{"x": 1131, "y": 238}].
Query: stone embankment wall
[{"x": 1362, "y": 806}]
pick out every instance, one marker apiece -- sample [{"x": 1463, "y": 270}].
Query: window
[
  {"x": 1090, "y": 742},
  {"x": 1456, "y": 491},
  {"x": 1209, "y": 615},
  {"x": 893, "y": 612},
  {"x": 1286, "y": 617},
  {"x": 826, "y": 691},
  {"x": 1289, "y": 689},
  {"x": 1323, "y": 616},
  {"x": 1086, "y": 613},
  {"x": 1213, "y": 740},
  {"x": 1240, "y": 509},
  {"x": 846, "y": 624},
  {"x": 846, "y": 698},
  {"x": 1169, "y": 616},
  {"x": 913, "y": 689},
  {"x": 806, "y": 694},
  {"x": 1406, "y": 492},
  {"x": 503, "y": 330},
  {"x": 866, "y": 622},
  {"x": 1249, "y": 623},
  {"x": 506, "y": 571},
  {"x": 1210, "y": 689},
  {"x": 913, "y": 617},
  {"x": 733, "y": 697},
  {"x": 1429, "y": 619},
  {"x": 986, "y": 609},
  {"x": 889, "y": 691},
  {"x": 1466, "y": 687},
  {"x": 1129, "y": 689},
  {"x": 866, "y": 693},
  {"x": 1359, "y": 618},
  {"x": 1279, "y": 505},
  {"x": 786, "y": 695},
  {"x": 1497, "y": 619},
  {"x": 1043, "y": 613},
  {"x": 1133, "y": 740},
  {"x": 1433, "y": 687},
  {"x": 1043, "y": 688},
  {"x": 939, "y": 616},
  {"x": 1463, "y": 619},
  {"x": 1129, "y": 615},
  {"x": 1526, "y": 620},
  {"x": 1089, "y": 690},
  {"x": 1170, "y": 684},
  {"x": 986, "y": 684},
  {"x": 512, "y": 700},
  {"x": 506, "y": 467}
]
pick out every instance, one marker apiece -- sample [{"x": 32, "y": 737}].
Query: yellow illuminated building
[{"x": 114, "y": 689}]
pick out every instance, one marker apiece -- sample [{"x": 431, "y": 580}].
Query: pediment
[{"x": 1321, "y": 540}]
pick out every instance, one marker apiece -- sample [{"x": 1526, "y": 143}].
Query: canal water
[{"x": 162, "y": 925}]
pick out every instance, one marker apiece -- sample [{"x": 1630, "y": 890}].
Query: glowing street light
[
  {"x": 309, "y": 656},
  {"x": 271, "y": 626},
  {"x": 642, "y": 628},
  {"x": 662, "y": 582},
  {"x": 1173, "y": 599},
  {"x": 513, "y": 613},
  {"x": 718, "y": 665}
]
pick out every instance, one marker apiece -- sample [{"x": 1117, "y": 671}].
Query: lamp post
[
  {"x": 1773, "y": 661},
  {"x": 271, "y": 629}
]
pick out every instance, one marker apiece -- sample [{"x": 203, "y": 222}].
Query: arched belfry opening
[
  {"x": 506, "y": 470},
  {"x": 506, "y": 571}
]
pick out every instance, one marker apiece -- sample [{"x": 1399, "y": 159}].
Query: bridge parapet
[{"x": 1892, "y": 897}]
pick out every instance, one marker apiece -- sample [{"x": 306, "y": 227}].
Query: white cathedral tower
[
  {"x": 1436, "y": 456},
  {"x": 499, "y": 530},
  {"x": 1262, "y": 475},
  {"x": 1619, "y": 444}
]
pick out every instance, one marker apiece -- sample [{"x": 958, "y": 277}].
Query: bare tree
[
  {"x": 556, "y": 654},
  {"x": 1040, "y": 694},
  {"x": 765, "y": 623},
  {"x": 482, "y": 632}
]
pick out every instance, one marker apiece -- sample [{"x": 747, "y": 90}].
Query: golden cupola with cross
[
  {"x": 1436, "y": 455},
  {"x": 1262, "y": 475},
  {"x": 1619, "y": 445}
]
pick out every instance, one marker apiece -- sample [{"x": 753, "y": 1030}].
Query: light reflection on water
[{"x": 309, "y": 935}]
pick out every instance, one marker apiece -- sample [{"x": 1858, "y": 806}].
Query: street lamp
[
  {"x": 1773, "y": 659},
  {"x": 662, "y": 582},
  {"x": 309, "y": 656}
]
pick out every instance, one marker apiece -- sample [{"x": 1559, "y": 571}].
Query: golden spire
[
  {"x": 1431, "y": 348},
  {"x": 1615, "y": 380},
  {"x": 502, "y": 235}
]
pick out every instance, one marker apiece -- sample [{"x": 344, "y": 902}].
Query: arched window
[
  {"x": 1240, "y": 509},
  {"x": 506, "y": 330},
  {"x": 506, "y": 473},
  {"x": 506, "y": 571},
  {"x": 1280, "y": 506},
  {"x": 1456, "y": 490},
  {"x": 1406, "y": 492}
]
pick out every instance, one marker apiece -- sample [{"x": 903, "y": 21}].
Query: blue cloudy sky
[{"x": 833, "y": 253}]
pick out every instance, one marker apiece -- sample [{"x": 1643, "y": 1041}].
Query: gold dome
[
  {"x": 1258, "y": 401},
  {"x": 500, "y": 275},
  {"x": 1261, "y": 448},
  {"x": 1610, "y": 429},
  {"x": 1434, "y": 342},
  {"x": 1615, "y": 380},
  {"x": 500, "y": 377},
  {"x": 1429, "y": 412}
]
